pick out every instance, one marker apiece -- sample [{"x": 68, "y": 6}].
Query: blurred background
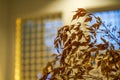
[{"x": 28, "y": 29}]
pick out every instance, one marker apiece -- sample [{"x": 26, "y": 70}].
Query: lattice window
[{"x": 37, "y": 44}]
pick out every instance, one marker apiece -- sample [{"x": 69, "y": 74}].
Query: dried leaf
[
  {"x": 95, "y": 26},
  {"x": 78, "y": 27},
  {"x": 98, "y": 19},
  {"x": 90, "y": 29},
  {"x": 56, "y": 45},
  {"x": 89, "y": 68},
  {"x": 103, "y": 40},
  {"x": 88, "y": 38},
  {"x": 73, "y": 36},
  {"x": 79, "y": 37},
  {"x": 71, "y": 27},
  {"x": 68, "y": 42},
  {"x": 114, "y": 70},
  {"x": 88, "y": 19},
  {"x": 93, "y": 49},
  {"x": 99, "y": 63},
  {"x": 112, "y": 47},
  {"x": 102, "y": 46},
  {"x": 79, "y": 13},
  {"x": 74, "y": 17},
  {"x": 81, "y": 10},
  {"x": 64, "y": 37}
]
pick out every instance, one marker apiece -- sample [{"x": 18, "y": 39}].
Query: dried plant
[{"x": 79, "y": 56}]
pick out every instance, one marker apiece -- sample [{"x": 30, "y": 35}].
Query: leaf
[
  {"x": 90, "y": 68},
  {"x": 73, "y": 36},
  {"x": 79, "y": 13},
  {"x": 69, "y": 72},
  {"x": 66, "y": 26},
  {"x": 88, "y": 38},
  {"x": 80, "y": 34},
  {"x": 93, "y": 49},
  {"x": 95, "y": 26},
  {"x": 73, "y": 50},
  {"x": 114, "y": 70},
  {"x": 79, "y": 37},
  {"x": 88, "y": 19},
  {"x": 96, "y": 54},
  {"x": 74, "y": 17},
  {"x": 71, "y": 27},
  {"x": 56, "y": 45},
  {"x": 102, "y": 46},
  {"x": 103, "y": 40},
  {"x": 81, "y": 10},
  {"x": 78, "y": 27},
  {"x": 112, "y": 47},
  {"x": 94, "y": 34},
  {"x": 64, "y": 37},
  {"x": 99, "y": 63},
  {"x": 98, "y": 18},
  {"x": 90, "y": 29},
  {"x": 76, "y": 43}
]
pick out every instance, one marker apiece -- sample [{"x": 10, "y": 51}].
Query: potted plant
[{"x": 80, "y": 56}]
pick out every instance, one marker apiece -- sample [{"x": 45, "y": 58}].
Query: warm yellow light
[{"x": 18, "y": 49}]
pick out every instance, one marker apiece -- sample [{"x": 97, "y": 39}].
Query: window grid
[{"x": 34, "y": 53}]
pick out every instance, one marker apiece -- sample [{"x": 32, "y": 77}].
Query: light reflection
[{"x": 17, "y": 52}]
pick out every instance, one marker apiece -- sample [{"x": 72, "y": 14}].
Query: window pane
[{"x": 37, "y": 38}]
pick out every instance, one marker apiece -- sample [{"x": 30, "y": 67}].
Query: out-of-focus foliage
[{"x": 81, "y": 57}]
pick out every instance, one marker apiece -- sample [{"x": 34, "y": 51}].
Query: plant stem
[{"x": 110, "y": 34}]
